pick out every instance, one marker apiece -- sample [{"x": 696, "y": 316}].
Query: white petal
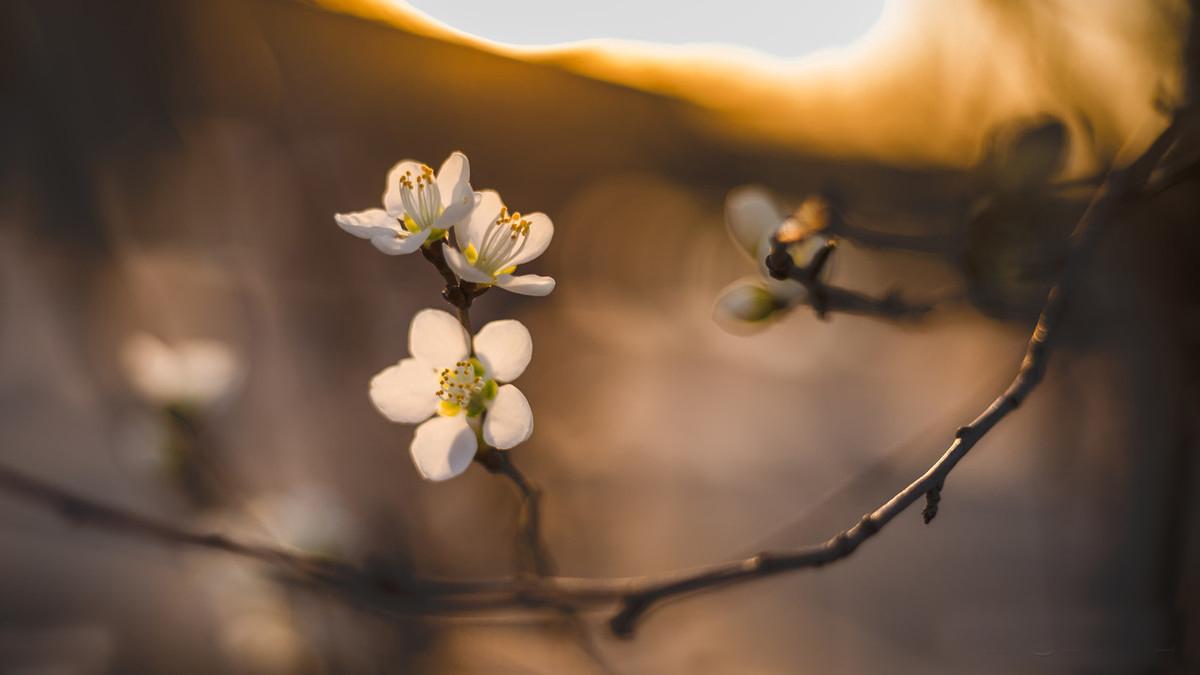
[
  {"x": 487, "y": 209},
  {"x": 454, "y": 186},
  {"x": 194, "y": 371},
  {"x": 366, "y": 224},
  {"x": 526, "y": 284},
  {"x": 443, "y": 447},
  {"x": 745, "y": 300},
  {"x": 405, "y": 392},
  {"x": 437, "y": 339},
  {"x": 786, "y": 292},
  {"x": 209, "y": 370},
  {"x": 462, "y": 268},
  {"x": 541, "y": 231},
  {"x": 751, "y": 214},
  {"x": 151, "y": 367},
  {"x": 504, "y": 348},
  {"x": 391, "y": 195},
  {"x": 394, "y": 244},
  {"x": 509, "y": 420}
]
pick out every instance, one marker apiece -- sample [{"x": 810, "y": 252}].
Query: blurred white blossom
[
  {"x": 753, "y": 217},
  {"x": 462, "y": 393},
  {"x": 494, "y": 241},
  {"x": 745, "y": 301},
  {"x": 417, "y": 206},
  {"x": 190, "y": 372}
]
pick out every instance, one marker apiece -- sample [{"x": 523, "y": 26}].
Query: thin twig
[
  {"x": 457, "y": 292},
  {"x": 532, "y": 551},
  {"x": 824, "y": 298}
]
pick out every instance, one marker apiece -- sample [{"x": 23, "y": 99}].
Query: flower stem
[
  {"x": 457, "y": 292},
  {"x": 531, "y": 551}
]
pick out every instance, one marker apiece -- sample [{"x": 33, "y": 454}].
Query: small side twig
[
  {"x": 825, "y": 298},
  {"x": 532, "y": 551}
]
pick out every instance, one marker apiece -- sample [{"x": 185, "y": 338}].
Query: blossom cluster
[
  {"x": 753, "y": 218},
  {"x": 455, "y": 386}
]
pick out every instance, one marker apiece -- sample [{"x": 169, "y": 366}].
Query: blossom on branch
[
  {"x": 494, "y": 241},
  {"x": 454, "y": 388},
  {"x": 418, "y": 206},
  {"x": 753, "y": 218}
]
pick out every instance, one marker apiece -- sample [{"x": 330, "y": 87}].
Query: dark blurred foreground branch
[{"x": 635, "y": 595}]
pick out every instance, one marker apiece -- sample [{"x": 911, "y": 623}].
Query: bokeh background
[{"x": 173, "y": 167}]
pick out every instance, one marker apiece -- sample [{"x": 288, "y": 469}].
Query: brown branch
[
  {"x": 457, "y": 292},
  {"x": 86, "y": 512},
  {"x": 824, "y": 298},
  {"x": 531, "y": 551},
  {"x": 945, "y": 245},
  {"x": 635, "y": 595},
  {"x": 1120, "y": 185}
]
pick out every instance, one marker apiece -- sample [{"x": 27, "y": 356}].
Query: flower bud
[{"x": 743, "y": 303}]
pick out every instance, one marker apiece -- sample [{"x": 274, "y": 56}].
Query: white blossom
[
  {"x": 457, "y": 393},
  {"x": 752, "y": 217},
  {"x": 418, "y": 206},
  {"x": 745, "y": 303},
  {"x": 190, "y": 372},
  {"x": 494, "y": 241}
]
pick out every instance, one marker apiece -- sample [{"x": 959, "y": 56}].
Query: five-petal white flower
[
  {"x": 443, "y": 381},
  {"x": 417, "y": 205},
  {"x": 494, "y": 241},
  {"x": 752, "y": 217}
]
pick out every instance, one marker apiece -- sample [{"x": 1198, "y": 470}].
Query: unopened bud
[{"x": 742, "y": 303}]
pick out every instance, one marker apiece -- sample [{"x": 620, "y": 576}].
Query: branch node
[
  {"x": 623, "y": 624},
  {"x": 932, "y": 499},
  {"x": 842, "y": 545},
  {"x": 869, "y": 525}
]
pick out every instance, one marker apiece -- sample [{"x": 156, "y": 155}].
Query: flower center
[
  {"x": 421, "y": 199},
  {"x": 464, "y": 387},
  {"x": 504, "y": 240}
]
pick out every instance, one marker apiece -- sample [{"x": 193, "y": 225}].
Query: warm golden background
[{"x": 174, "y": 167}]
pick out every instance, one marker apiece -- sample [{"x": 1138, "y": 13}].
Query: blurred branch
[
  {"x": 636, "y": 595},
  {"x": 824, "y": 298},
  {"x": 937, "y": 244},
  {"x": 532, "y": 551},
  {"x": 86, "y": 512},
  {"x": 1120, "y": 185}
]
